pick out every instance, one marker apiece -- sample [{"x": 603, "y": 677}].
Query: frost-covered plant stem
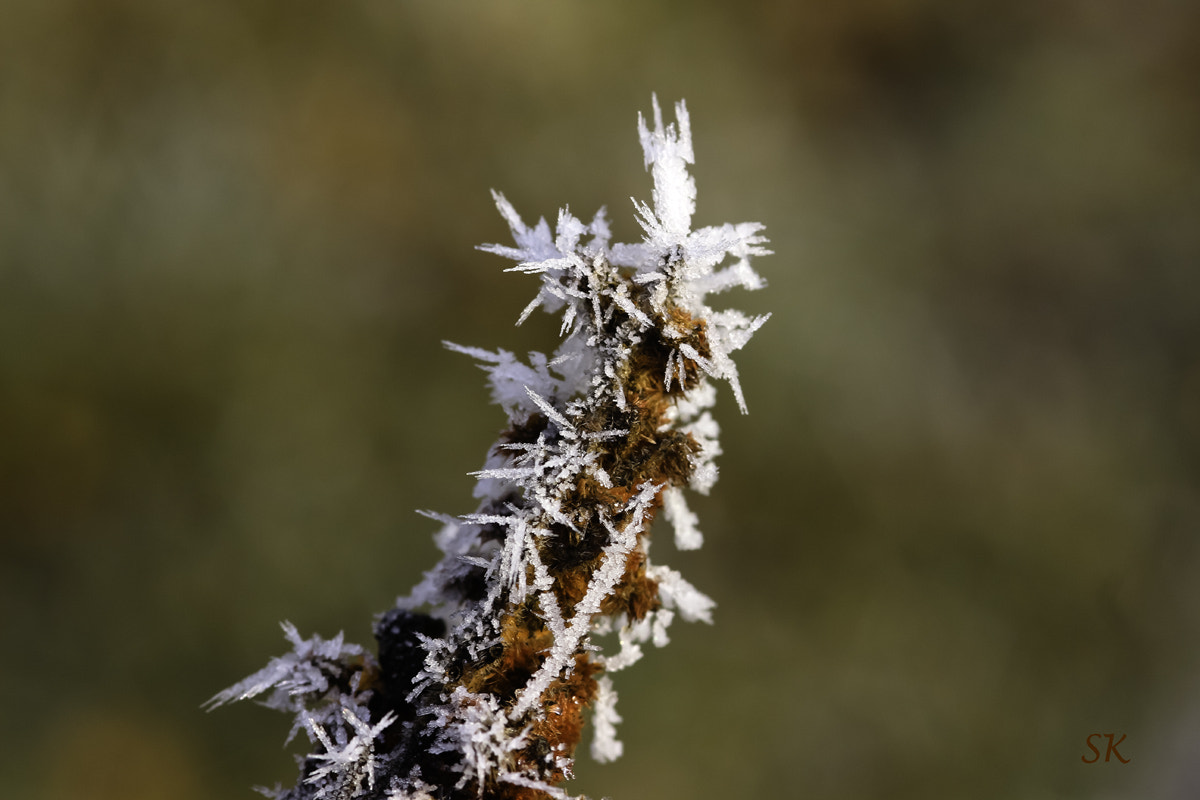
[{"x": 484, "y": 671}]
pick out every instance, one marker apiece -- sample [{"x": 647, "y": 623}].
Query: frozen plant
[{"x": 484, "y": 671}]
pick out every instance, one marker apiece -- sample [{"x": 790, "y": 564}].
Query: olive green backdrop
[{"x": 956, "y": 535}]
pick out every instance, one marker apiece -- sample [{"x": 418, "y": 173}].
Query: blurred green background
[{"x": 956, "y": 534}]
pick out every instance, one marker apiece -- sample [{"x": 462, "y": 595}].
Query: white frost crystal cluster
[{"x": 484, "y": 671}]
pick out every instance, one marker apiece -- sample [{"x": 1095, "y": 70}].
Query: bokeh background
[{"x": 956, "y": 535}]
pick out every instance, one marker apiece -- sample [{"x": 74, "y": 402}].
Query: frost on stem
[{"x": 484, "y": 671}]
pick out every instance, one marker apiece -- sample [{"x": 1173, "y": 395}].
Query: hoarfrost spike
[{"x": 484, "y": 671}]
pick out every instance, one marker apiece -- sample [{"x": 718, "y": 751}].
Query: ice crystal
[{"x": 485, "y": 669}]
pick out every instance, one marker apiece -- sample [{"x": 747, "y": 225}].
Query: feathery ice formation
[{"x": 485, "y": 669}]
